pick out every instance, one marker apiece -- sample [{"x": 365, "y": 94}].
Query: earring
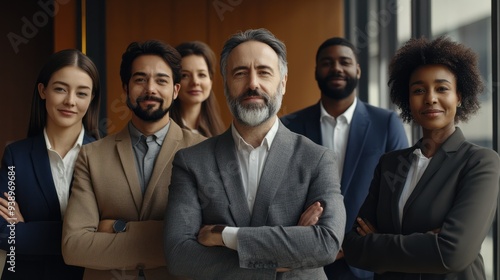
[{"x": 459, "y": 104}]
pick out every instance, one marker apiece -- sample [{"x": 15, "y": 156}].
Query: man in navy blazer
[{"x": 357, "y": 132}]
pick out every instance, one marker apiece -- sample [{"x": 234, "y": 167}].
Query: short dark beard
[
  {"x": 148, "y": 115},
  {"x": 337, "y": 94}
]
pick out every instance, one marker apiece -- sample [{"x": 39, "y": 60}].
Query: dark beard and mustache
[
  {"x": 255, "y": 114},
  {"x": 337, "y": 94},
  {"x": 148, "y": 115}
]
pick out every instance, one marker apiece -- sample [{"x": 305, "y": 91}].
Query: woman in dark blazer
[
  {"x": 36, "y": 173},
  {"x": 430, "y": 206}
]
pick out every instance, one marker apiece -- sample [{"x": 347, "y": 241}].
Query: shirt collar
[
  {"x": 348, "y": 114},
  {"x": 135, "y": 134},
  {"x": 267, "y": 141},
  {"x": 78, "y": 143}
]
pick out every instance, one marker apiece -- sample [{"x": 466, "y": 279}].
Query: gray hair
[{"x": 260, "y": 35}]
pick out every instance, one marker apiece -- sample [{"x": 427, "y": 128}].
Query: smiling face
[
  {"x": 195, "y": 80},
  {"x": 337, "y": 72},
  {"x": 151, "y": 88},
  {"x": 434, "y": 98},
  {"x": 67, "y": 97},
  {"x": 254, "y": 88}
]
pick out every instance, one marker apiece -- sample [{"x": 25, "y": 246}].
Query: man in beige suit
[{"x": 113, "y": 225}]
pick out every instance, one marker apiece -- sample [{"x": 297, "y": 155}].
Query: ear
[
  {"x": 283, "y": 83},
  {"x": 125, "y": 89},
  {"x": 177, "y": 87},
  {"x": 358, "y": 71},
  {"x": 41, "y": 91}
]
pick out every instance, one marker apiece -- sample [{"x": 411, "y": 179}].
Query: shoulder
[
  {"x": 400, "y": 158},
  {"x": 202, "y": 145},
  {"x": 101, "y": 145},
  {"x": 299, "y": 142},
  {"x": 190, "y": 138},
  {"x": 21, "y": 145},
  {"x": 383, "y": 121},
  {"x": 377, "y": 111},
  {"x": 478, "y": 154},
  {"x": 25, "y": 146},
  {"x": 301, "y": 114}
]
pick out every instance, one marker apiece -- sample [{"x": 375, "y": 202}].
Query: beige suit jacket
[{"x": 106, "y": 186}]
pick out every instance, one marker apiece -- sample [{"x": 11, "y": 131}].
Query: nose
[
  {"x": 430, "y": 97},
  {"x": 195, "y": 80},
  {"x": 253, "y": 82},
  {"x": 336, "y": 67},
  {"x": 150, "y": 87},
  {"x": 70, "y": 99}
]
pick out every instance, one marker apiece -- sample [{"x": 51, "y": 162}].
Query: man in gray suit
[{"x": 235, "y": 200}]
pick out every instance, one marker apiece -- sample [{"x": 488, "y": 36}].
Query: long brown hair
[
  {"x": 57, "y": 61},
  {"x": 210, "y": 122}
]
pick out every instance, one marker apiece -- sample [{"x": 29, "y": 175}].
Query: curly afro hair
[{"x": 460, "y": 60}]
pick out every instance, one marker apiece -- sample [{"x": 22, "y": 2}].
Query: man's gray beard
[{"x": 255, "y": 114}]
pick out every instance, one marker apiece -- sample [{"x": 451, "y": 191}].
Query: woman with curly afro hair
[{"x": 430, "y": 206}]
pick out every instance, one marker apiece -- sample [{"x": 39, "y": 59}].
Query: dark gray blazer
[
  {"x": 206, "y": 188},
  {"x": 457, "y": 193}
]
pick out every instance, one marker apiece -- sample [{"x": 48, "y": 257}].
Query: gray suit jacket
[
  {"x": 206, "y": 188},
  {"x": 457, "y": 193}
]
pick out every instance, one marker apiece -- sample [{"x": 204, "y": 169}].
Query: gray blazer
[
  {"x": 457, "y": 193},
  {"x": 206, "y": 188}
]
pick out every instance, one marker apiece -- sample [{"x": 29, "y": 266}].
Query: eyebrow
[
  {"x": 260, "y": 67},
  {"x": 195, "y": 70},
  {"x": 331, "y": 58},
  {"x": 67, "y": 85},
  {"x": 144, "y": 74},
  {"x": 439, "y": 81}
]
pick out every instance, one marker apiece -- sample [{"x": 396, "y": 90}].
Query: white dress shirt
[
  {"x": 335, "y": 132},
  {"x": 62, "y": 168},
  {"x": 251, "y": 161},
  {"x": 417, "y": 168}
]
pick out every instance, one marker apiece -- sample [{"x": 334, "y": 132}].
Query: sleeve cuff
[{"x": 229, "y": 237}]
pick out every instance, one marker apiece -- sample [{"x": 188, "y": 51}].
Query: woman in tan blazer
[{"x": 430, "y": 206}]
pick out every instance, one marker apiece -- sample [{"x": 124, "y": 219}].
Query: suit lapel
[
  {"x": 312, "y": 126},
  {"x": 86, "y": 139},
  {"x": 401, "y": 168},
  {"x": 41, "y": 165},
  {"x": 127, "y": 159},
  {"x": 451, "y": 145},
  {"x": 356, "y": 143},
  {"x": 227, "y": 163},
  {"x": 272, "y": 174},
  {"x": 168, "y": 149}
]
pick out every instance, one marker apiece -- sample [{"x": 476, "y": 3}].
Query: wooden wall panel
[
  {"x": 27, "y": 43},
  {"x": 65, "y": 26},
  {"x": 302, "y": 25}
]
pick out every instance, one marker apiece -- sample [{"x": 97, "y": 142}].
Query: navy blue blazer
[
  {"x": 374, "y": 131},
  {"x": 38, "y": 239}
]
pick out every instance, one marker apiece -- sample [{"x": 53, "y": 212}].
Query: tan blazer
[{"x": 106, "y": 186}]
